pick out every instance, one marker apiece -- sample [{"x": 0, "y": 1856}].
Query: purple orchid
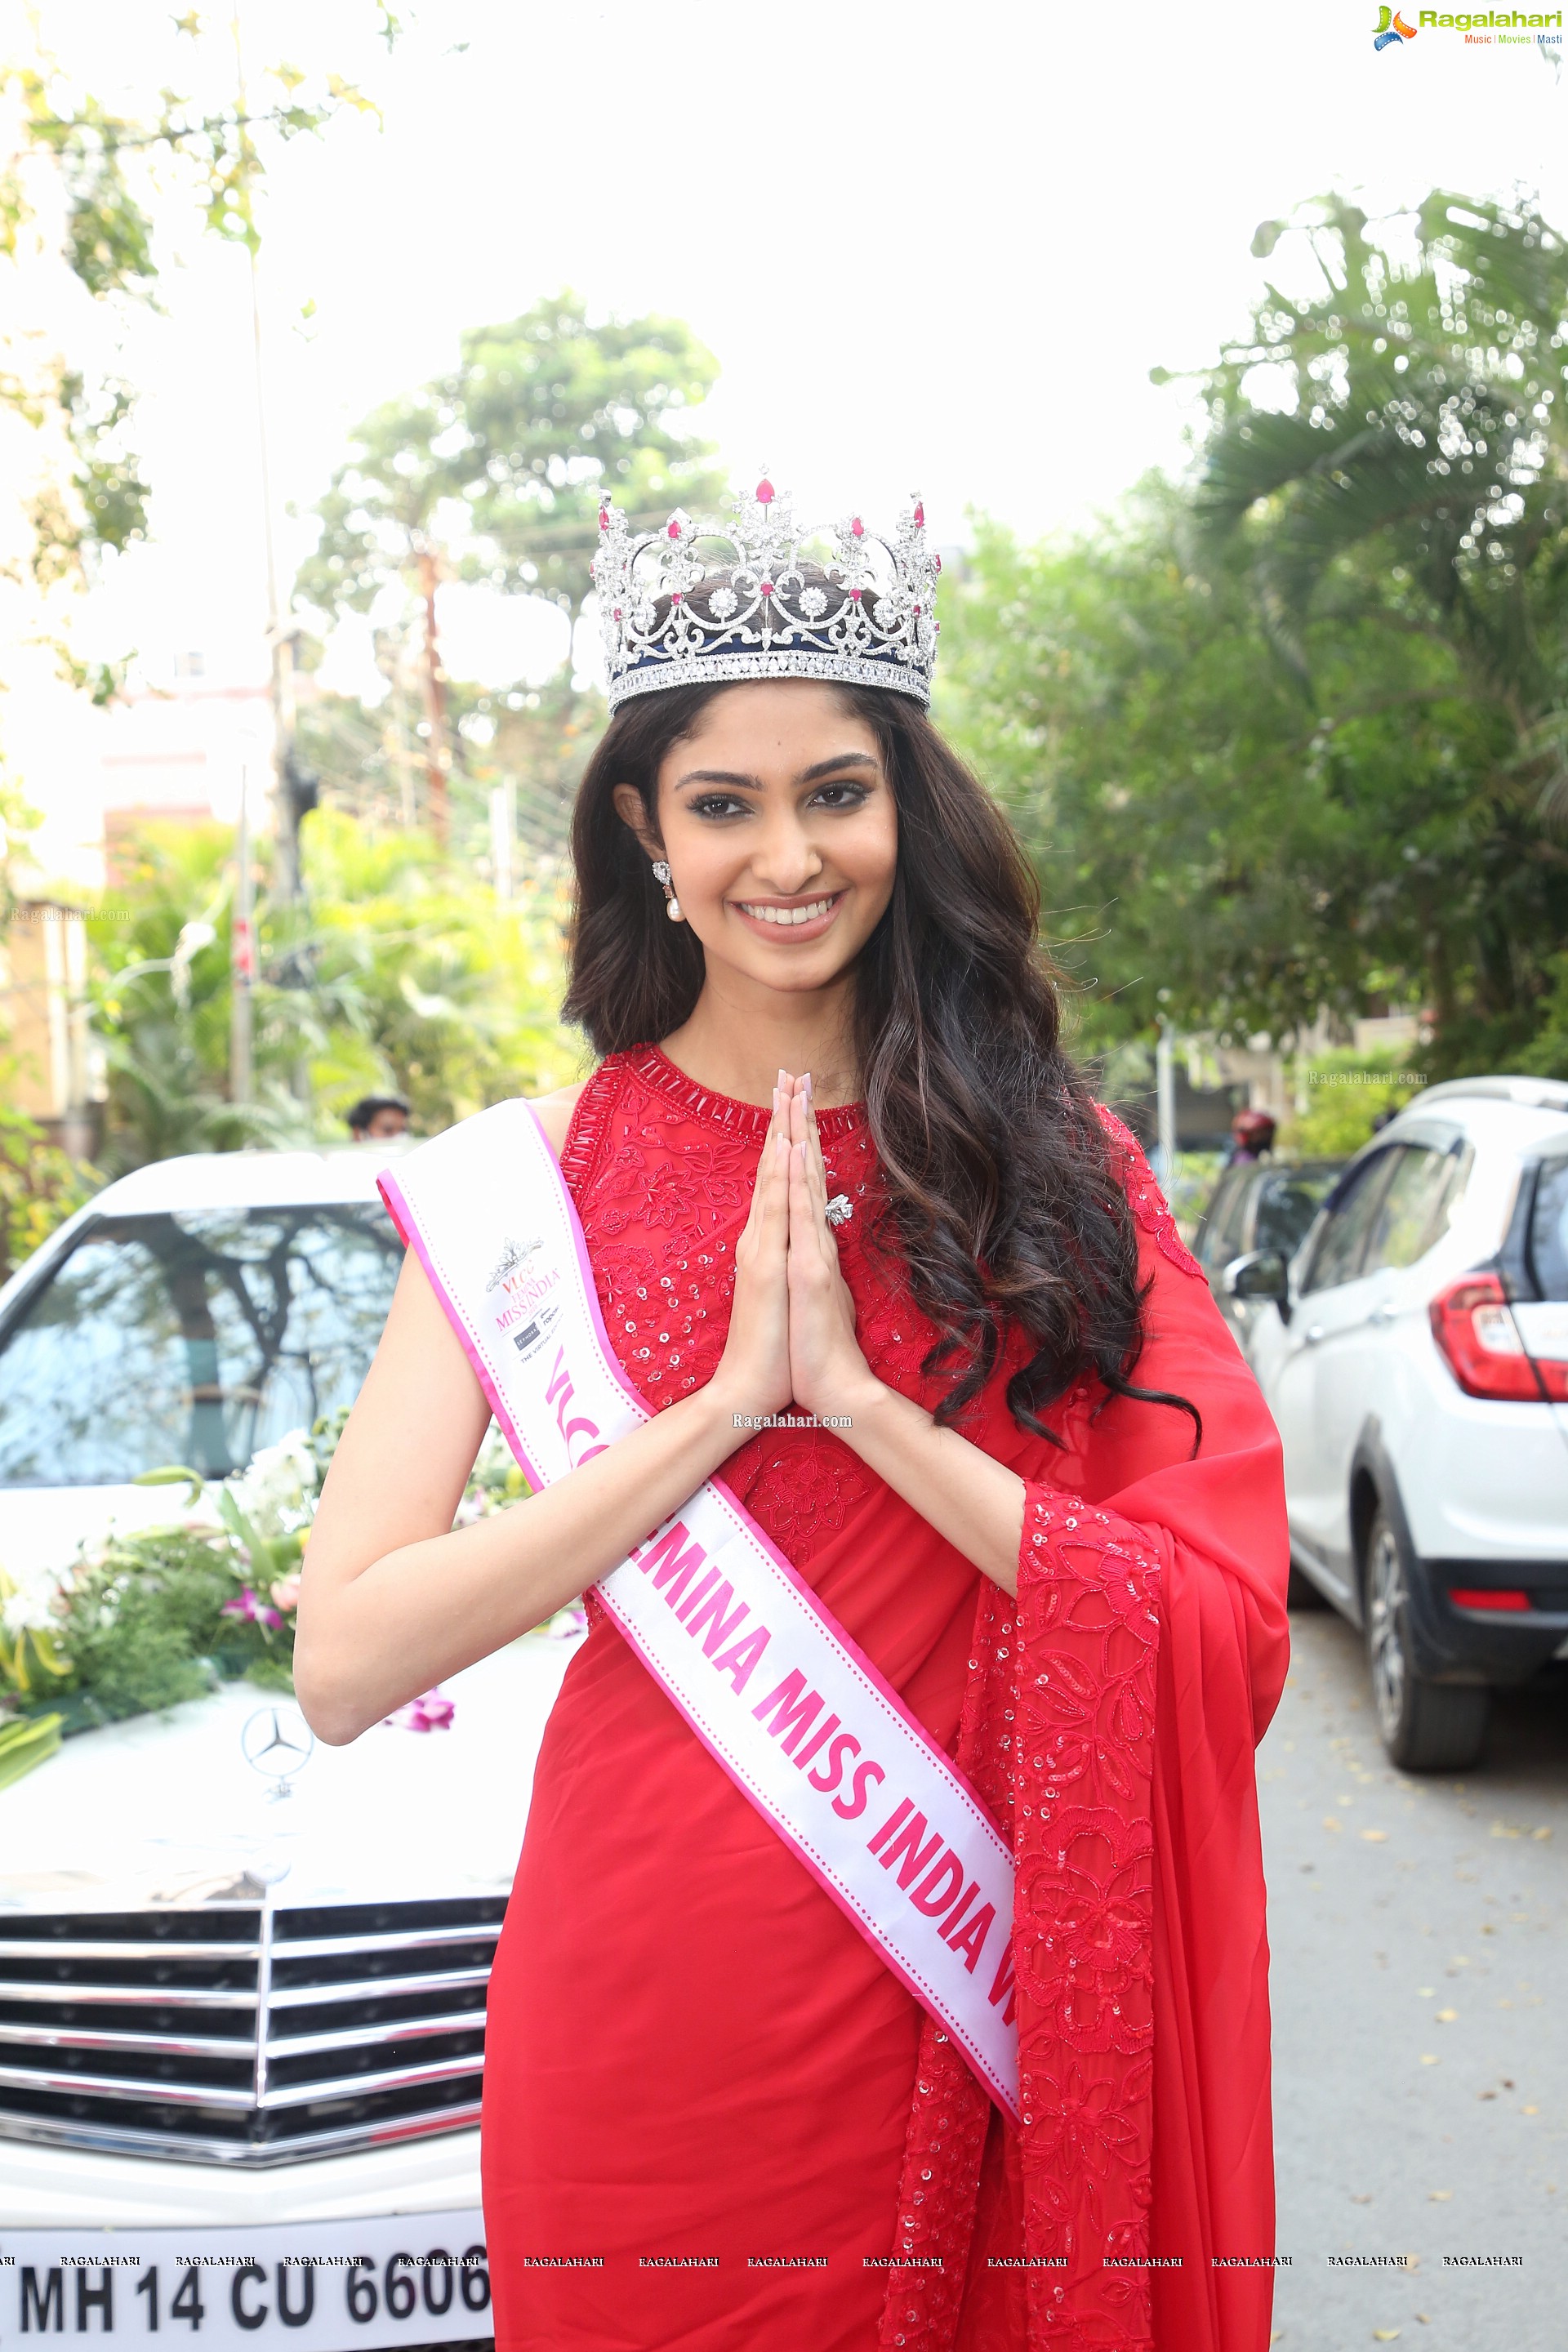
[
  {"x": 430, "y": 1712},
  {"x": 255, "y": 1611}
]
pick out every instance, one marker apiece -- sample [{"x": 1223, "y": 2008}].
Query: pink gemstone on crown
[
  {"x": 858, "y": 528},
  {"x": 917, "y": 614},
  {"x": 674, "y": 530},
  {"x": 767, "y": 587},
  {"x": 675, "y": 595},
  {"x": 618, "y": 611},
  {"x": 936, "y": 563},
  {"x": 855, "y": 595},
  {"x": 919, "y": 514},
  {"x": 765, "y": 493},
  {"x": 603, "y": 519}
]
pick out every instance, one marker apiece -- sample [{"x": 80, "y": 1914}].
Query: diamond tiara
[{"x": 696, "y": 603}]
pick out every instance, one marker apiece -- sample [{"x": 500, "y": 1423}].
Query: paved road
[{"x": 1420, "y": 1927}]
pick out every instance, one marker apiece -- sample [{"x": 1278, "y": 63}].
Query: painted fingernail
[{"x": 808, "y": 1085}]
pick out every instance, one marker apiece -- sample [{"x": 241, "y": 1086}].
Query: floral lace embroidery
[
  {"x": 1149, "y": 1204},
  {"x": 951, "y": 2112},
  {"x": 1088, "y": 1629},
  {"x": 1058, "y": 1737}
]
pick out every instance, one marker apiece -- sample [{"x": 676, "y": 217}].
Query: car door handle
[{"x": 1314, "y": 1332}]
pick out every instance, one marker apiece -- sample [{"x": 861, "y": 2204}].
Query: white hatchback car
[
  {"x": 242, "y": 1984},
  {"x": 1417, "y": 1369}
]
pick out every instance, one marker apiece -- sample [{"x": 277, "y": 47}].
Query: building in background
[
  {"x": 55, "y": 1072},
  {"x": 175, "y": 747}
]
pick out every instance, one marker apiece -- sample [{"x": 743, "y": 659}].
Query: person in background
[
  {"x": 1252, "y": 1135},
  {"x": 376, "y": 1119}
]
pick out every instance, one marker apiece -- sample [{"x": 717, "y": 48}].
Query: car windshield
[
  {"x": 1287, "y": 1204},
  {"x": 194, "y": 1337}
]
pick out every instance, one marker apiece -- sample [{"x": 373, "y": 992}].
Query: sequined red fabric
[
  {"x": 1148, "y": 1202},
  {"x": 662, "y": 1170}
]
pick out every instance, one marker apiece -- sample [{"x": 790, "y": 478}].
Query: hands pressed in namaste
[{"x": 791, "y": 1327}]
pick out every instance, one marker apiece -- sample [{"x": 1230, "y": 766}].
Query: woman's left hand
[{"x": 827, "y": 1370}]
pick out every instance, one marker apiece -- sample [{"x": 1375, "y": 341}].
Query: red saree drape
[{"x": 713, "y": 2116}]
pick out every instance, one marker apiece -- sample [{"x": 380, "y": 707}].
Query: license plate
[{"x": 318, "y": 2286}]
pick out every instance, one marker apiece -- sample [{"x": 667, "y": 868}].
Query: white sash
[{"x": 774, "y": 1687}]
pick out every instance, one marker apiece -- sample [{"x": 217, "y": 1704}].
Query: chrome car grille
[{"x": 244, "y": 2036}]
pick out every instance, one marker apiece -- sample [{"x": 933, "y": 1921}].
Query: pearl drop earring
[{"x": 672, "y": 904}]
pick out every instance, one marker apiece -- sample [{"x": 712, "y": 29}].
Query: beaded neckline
[{"x": 656, "y": 1069}]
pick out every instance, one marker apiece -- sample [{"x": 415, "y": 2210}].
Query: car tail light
[
  {"x": 1473, "y": 1325},
  {"x": 1483, "y": 1598}
]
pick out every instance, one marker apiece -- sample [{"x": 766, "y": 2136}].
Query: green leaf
[
  {"x": 25, "y": 1743},
  {"x": 173, "y": 1474}
]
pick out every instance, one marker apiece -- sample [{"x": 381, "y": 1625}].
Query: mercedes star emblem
[{"x": 278, "y": 1742}]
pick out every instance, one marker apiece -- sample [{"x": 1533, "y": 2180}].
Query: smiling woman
[
  {"x": 906, "y": 1320},
  {"x": 798, "y": 842},
  {"x": 846, "y": 888}
]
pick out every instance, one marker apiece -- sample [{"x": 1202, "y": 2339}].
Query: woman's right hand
[{"x": 753, "y": 1374}]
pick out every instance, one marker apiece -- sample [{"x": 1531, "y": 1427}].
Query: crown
[{"x": 696, "y": 603}]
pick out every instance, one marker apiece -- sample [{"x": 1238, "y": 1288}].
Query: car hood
[
  {"x": 42, "y": 1527},
  {"x": 166, "y": 1808}
]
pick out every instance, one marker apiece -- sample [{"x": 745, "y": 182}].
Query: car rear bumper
[
  {"x": 1481, "y": 1480},
  {"x": 1457, "y": 1642}
]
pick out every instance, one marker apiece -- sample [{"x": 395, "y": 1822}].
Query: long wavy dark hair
[{"x": 997, "y": 1190}]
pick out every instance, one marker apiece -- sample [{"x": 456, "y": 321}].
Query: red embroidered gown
[{"x": 713, "y": 2116}]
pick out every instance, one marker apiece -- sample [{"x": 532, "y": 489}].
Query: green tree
[
  {"x": 1289, "y": 736},
  {"x": 1387, "y": 454},
  {"x": 499, "y": 465},
  {"x": 103, "y": 176},
  {"x": 493, "y": 474},
  {"x": 162, "y": 1006},
  {"x": 425, "y": 981},
  {"x": 391, "y": 974},
  {"x": 549, "y": 411},
  {"x": 1210, "y": 846},
  {"x": 41, "y": 1185}
]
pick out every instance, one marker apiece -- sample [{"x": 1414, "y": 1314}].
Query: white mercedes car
[
  {"x": 1417, "y": 1365},
  {"x": 242, "y": 1980}
]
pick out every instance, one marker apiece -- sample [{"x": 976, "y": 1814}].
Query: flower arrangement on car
[{"x": 144, "y": 1620}]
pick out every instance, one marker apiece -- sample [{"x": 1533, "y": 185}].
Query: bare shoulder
[{"x": 554, "y": 1111}]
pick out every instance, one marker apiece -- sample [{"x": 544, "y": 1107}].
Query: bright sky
[{"x": 936, "y": 245}]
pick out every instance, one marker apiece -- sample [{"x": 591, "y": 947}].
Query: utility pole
[
  {"x": 437, "y": 757},
  {"x": 1165, "y": 1104},
  {"x": 241, "y": 954},
  {"x": 289, "y": 798}
]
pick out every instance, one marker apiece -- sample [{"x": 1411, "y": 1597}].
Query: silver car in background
[{"x": 1415, "y": 1356}]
